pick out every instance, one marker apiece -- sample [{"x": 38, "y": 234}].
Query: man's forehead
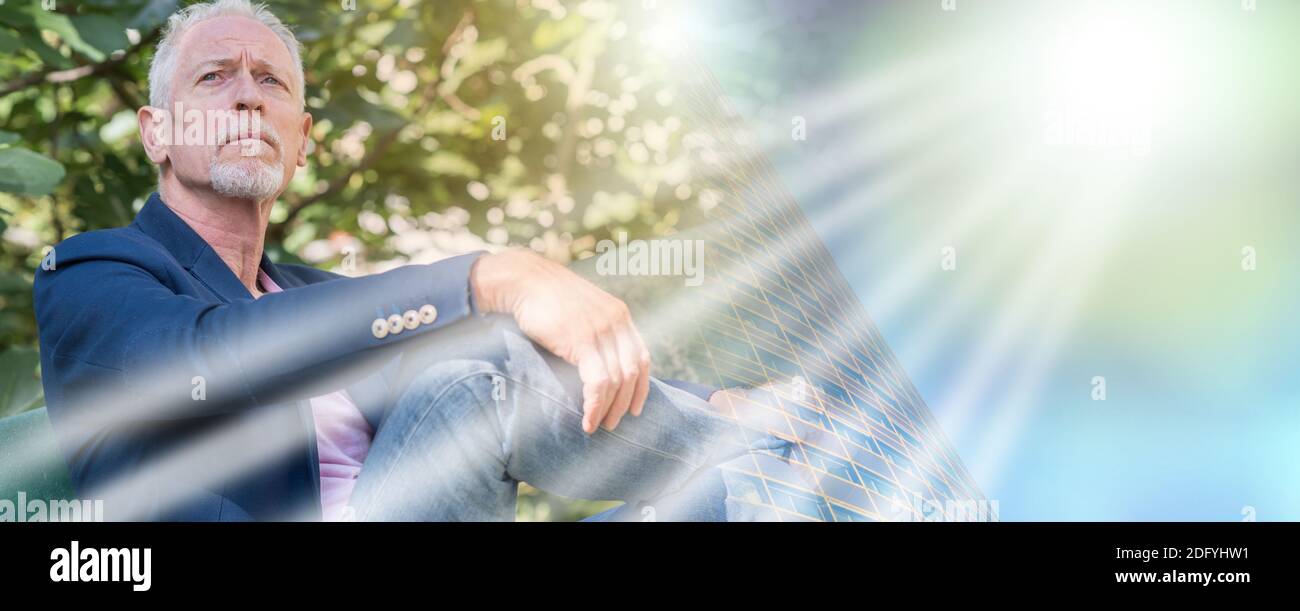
[{"x": 227, "y": 38}]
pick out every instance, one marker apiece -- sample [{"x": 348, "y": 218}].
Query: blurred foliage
[
  {"x": 440, "y": 126},
  {"x": 537, "y": 506}
]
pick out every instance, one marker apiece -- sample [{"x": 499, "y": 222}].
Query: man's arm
[
  {"x": 116, "y": 337},
  {"x": 575, "y": 320},
  {"x": 111, "y": 328}
]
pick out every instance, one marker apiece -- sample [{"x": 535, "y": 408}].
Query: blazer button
[
  {"x": 428, "y": 313},
  {"x": 379, "y": 328},
  {"x": 410, "y": 319},
  {"x": 395, "y": 324}
]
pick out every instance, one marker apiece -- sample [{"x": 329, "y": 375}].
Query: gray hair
[{"x": 163, "y": 67}]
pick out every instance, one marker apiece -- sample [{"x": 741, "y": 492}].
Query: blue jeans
[{"x": 488, "y": 409}]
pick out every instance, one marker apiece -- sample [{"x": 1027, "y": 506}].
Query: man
[{"x": 190, "y": 378}]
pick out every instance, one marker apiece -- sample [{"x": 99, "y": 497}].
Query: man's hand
[{"x": 577, "y": 322}]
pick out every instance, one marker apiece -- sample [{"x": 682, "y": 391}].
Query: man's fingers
[
  {"x": 642, "y": 389},
  {"x": 621, "y": 393},
  {"x": 641, "y": 357},
  {"x": 630, "y": 374},
  {"x": 596, "y": 390}
]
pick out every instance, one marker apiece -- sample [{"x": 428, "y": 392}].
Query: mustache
[{"x": 241, "y": 127}]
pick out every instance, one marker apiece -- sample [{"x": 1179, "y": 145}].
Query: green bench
[{"x": 30, "y": 460}]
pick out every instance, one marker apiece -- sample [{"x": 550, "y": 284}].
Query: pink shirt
[{"x": 342, "y": 439}]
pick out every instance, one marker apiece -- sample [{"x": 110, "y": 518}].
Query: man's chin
[{"x": 250, "y": 179}]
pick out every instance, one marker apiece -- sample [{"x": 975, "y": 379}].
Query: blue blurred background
[{"x": 1039, "y": 202}]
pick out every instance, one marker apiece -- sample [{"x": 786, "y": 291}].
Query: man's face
[{"x": 237, "y": 66}]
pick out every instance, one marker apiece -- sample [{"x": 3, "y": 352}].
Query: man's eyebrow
[
  {"x": 261, "y": 65},
  {"x": 213, "y": 63}
]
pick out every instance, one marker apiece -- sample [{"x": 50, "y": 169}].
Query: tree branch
[
  {"x": 132, "y": 100},
  {"x": 52, "y": 76}
]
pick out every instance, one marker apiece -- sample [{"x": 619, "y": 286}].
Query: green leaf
[
  {"x": 62, "y": 26},
  {"x": 372, "y": 34},
  {"x": 28, "y": 173},
  {"x": 16, "y": 15},
  {"x": 20, "y": 387},
  {"x": 152, "y": 15},
  {"x": 380, "y": 117},
  {"x": 102, "y": 32},
  {"x": 481, "y": 55},
  {"x": 554, "y": 33},
  {"x": 49, "y": 55},
  {"x": 404, "y": 35},
  {"x": 449, "y": 163},
  {"x": 8, "y": 42}
]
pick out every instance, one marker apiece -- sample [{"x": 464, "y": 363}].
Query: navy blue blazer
[{"x": 177, "y": 396}]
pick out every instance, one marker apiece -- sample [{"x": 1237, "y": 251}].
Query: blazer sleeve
[{"x": 115, "y": 337}]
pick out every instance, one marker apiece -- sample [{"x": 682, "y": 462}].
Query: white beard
[{"x": 250, "y": 179}]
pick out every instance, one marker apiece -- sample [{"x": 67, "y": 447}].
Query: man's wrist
[
  {"x": 475, "y": 305},
  {"x": 485, "y": 284},
  {"x": 476, "y": 302}
]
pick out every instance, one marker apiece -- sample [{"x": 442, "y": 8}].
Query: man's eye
[
  {"x": 209, "y": 76},
  {"x": 272, "y": 80}
]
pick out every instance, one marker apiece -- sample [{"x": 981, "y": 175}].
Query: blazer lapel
[
  {"x": 197, "y": 256},
  {"x": 190, "y": 249},
  {"x": 281, "y": 279},
  {"x": 212, "y": 271},
  {"x": 372, "y": 394}
]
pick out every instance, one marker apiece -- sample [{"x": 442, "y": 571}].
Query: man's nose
[{"x": 247, "y": 96}]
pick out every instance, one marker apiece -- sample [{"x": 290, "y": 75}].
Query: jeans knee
[
  {"x": 478, "y": 375},
  {"x": 461, "y": 397},
  {"x": 502, "y": 344}
]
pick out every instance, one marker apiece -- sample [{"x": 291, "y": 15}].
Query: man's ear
[
  {"x": 306, "y": 139},
  {"x": 155, "y": 132}
]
